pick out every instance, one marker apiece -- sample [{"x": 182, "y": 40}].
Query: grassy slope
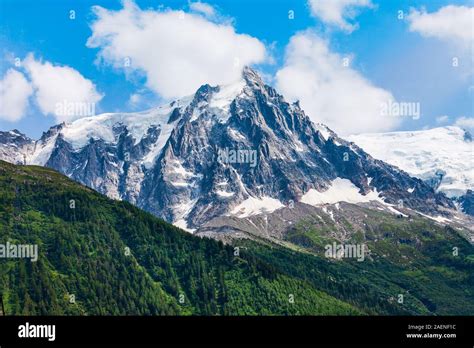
[{"x": 414, "y": 258}]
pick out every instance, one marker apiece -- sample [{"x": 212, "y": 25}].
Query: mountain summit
[{"x": 238, "y": 149}]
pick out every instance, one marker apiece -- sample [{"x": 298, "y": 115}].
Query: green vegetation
[
  {"x": 430, "y": 265},
  {"x": 118, "y": 260}
]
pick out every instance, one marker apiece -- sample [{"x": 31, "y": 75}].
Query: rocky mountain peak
[
  {"x": 237, "y": 149},
  {"x": 251, "y": 77}
]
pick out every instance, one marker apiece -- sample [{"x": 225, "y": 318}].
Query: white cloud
[
  {"x": 465, "y": 122},
  {"x": 177, "y": 51},
  {"x": 442, "y": 119},
  {"x": 449, "y": 23},
  {"x": 338, "y": 12},
  {"x": 60, "y": 90},
  {"x": 14, "y": 93},
  {"x": 203, "y": 8},
  {"x": 141, "y": 99},
  {"x": 330, "y": 93},
  {"x": 135, "y": 99}
]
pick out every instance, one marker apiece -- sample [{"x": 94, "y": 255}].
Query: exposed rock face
[
  {"x": 467, "y": 202},
  {"x": 236, "y": 149}
]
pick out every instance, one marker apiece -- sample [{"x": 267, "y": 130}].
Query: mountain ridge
[{"x": 168, "y": 162}]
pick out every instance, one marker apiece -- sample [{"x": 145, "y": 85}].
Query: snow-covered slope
[
  {"x": 15, "y": 146},
  {"x": 108, "y": 128},
  {"x": 443, "y": 157}
]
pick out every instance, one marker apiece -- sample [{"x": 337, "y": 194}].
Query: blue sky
[{"x": 412, "y": 66}]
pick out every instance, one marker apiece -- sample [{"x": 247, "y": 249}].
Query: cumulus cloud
[
  {"x": 141, "y": 99},
  {"x": 449, "y": 23},
  {"x": 329, "y": 92},
  {"x": 61, "y": 90},
  {"x": 15, "y": 91},
  {"x": 465, "y": 122},
  {"x": 177, "y": 51},
  {"x": 135, "y": 99},
  {"x": 203, "y": 8},
  {"x": 338, "y": 12}
]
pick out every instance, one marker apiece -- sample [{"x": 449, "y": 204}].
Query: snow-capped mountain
[
  {"x": 238, "y": 150},
  {"x": 442, "y": 157},
  {"x": 15, "y": 146}
]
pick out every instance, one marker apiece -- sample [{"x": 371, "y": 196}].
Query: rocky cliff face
[
  {"x": 467, "y": 202},
  {"x": 234, "y": 150}
]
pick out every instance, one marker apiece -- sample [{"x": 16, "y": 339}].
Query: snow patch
[
  {"x": 393, "y": 210},
  {"x": 224, "y": 194},
  {"x": 42, "y": 152},
  {"x": 178, "y": 176},
  {"x": 181, "y": 211},
  {"x": 325, "y": 132},
  {"x": 341, "y": 190},
  {"x": 438, "y": 218},
  {"x": 184, "y": 225},
  {"x": 235, "y": 134},
  {"x": 253, "y": 206},
  {"x": 220, "y": 102}
]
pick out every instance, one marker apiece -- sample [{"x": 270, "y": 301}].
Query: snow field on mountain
[{"x": 423, "y": 153}]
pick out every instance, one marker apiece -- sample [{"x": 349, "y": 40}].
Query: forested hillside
[{"x": 103, "y": 257}]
